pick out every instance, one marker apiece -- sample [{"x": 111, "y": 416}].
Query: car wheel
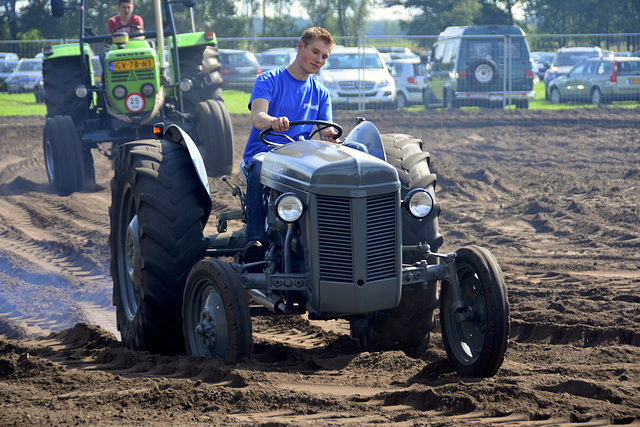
[
  {"x": 402, "y": 100},
  {"x": 596, "y": 97},
  {"x": 555, "y": 95}
]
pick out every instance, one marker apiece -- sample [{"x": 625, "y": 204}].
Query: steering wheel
[
  {"x": 320, "y": 124},
  {"x": 133, "y": 27}
]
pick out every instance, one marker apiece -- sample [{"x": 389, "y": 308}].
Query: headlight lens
[
  {"x": 419, "y": 202},
  {"x": 148, "y": 90},
  {"x": 119, "y": 92},
  {"x": 289, "y": 207},
  {"x": 185, "y": 85},
  {"x": 81, "y": 91}
]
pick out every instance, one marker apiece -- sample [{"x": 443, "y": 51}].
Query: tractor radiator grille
[
  {"x": 132, "y": 75},
  {"x": 381, "y": 237},
  {"x": 335, "y": 239},
  {"x": 335, "y": 223}
]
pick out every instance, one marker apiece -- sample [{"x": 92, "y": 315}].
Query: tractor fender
[{"x": 176, "y": 134}]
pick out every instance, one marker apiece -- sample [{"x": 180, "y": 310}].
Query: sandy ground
[{"x": 554, "y": 195}]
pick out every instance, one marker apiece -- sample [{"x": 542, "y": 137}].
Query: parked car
[
  {"x": 275, "y": 58},
  {"x": 468, "y": 64},
  {"x": 599, "y": 81},
  {"x": 9, "y": 56},
  {"x": 409, "y": 78},
  {"x": 564, "y": 59},
  {"x": 355, "y": 75},
  {"x": 239, "y": 69},
  {"x": 6, "y": 67},
  {"x": 25, "y": 75},
  {"x": 541, "y": 62}
]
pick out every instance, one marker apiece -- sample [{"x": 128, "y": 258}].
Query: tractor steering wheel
[
  {"x": 320, "y": 124},
  {"x": 133, "y": 27}
]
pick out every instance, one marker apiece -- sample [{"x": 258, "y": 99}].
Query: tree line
[{"x": 272, "y": 18}]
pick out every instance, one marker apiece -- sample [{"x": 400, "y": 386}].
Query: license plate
[
  {"x": 634, "y": 81},
  {"x": 495, "y": 97},
  {"x": 131, "y": 64},
  {"x": 352, "y": 100}
]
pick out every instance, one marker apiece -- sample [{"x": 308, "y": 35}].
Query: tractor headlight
[
  {"x": 81, "y": 91},
  {"x": 185, "y": 85},
  {"x": 119, "y": 92},
  {"x": 419, "y": 202},
  {"x": 147, "y": 90},
  {"x": 289, "y": 207}
]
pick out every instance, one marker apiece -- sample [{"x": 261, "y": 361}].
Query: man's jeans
[{"x": 256, "y": 201}]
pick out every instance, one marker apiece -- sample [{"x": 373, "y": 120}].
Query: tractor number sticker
[{"x": 135, "y": 103}]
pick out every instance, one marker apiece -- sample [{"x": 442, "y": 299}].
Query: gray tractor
[{"x": 353, "y": 232}]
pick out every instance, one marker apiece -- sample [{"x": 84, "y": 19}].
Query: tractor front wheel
[
  {"x": 476, "y": 344},
  {"x": 63, "y": 156},
  {"x": 216, "y": 313}
]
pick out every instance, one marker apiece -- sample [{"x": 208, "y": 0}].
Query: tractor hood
[{"x": 328, "y": 169}]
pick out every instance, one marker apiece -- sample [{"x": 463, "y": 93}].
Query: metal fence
[{"x": 423, "y": 84}]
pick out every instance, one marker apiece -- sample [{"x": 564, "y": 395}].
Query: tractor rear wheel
[
  {"x": 408, "y": 325},
  {"x": 63, "y": 155},
  {"x": 200, "y": 64},
  {"x": 61, "y": 76},
  {"x": 214, "y": 137},
  {"x": 157, "y": 221}
]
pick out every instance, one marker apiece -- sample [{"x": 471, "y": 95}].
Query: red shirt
[{"x": 114, "y": 22}]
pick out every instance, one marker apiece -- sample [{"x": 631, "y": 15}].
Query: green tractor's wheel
[
  {"x": 216, "y": 313},
  {"x": 157, "y": 221},
  {"x": 476, "y": 346},
  {"x": 214, "y": 137},
  {"x": 63, "y": 155},
  {"x": 61, "y": 76},
  {"x": 200, "y": 64}
]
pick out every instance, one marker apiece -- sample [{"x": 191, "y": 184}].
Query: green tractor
[{"x": 148, "y": 79}]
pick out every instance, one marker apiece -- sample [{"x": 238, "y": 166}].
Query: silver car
[
  {"x": 6, "y": 68},
  {"x": 355, "y": 75},
  {"x": 25, "y": 76},
  {"x": 599, "y": 81},
  {"x": 409, "y": 77}
]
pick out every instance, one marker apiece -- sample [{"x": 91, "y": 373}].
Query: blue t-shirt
[{"x": 290, "y": 97}]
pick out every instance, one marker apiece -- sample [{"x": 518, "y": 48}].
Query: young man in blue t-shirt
[{"x": 278, "y": 97}]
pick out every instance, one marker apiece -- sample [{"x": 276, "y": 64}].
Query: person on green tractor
[
  {"x": 285, "y": 94},
  {"x": 125, "y": 21}
]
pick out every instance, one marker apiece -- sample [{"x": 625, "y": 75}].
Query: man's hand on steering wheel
[{"x": 329, "y": 134}]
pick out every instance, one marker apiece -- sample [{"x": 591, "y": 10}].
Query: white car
[
  {"x": 355, "y": 75},
  {"x": 409, "y": 76},
  {"x": 276, "y": 58}
]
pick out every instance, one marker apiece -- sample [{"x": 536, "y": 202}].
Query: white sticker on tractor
[{"x": 135, "y": 103}]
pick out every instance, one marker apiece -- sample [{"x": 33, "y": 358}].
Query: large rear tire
[
  {"x": 408, "y": 325},
  {"x": 476, "y": 347},
  {"x": 405, "y": 153},
  {"x": 200, "y": 64},
  {"x": 214, "y": 137},
  {"x": 157, "y": 221},
  {"x": 61, "y": 76},
  {"x": 216, "y": 315},
  {"x": 63, "y": 155}
]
